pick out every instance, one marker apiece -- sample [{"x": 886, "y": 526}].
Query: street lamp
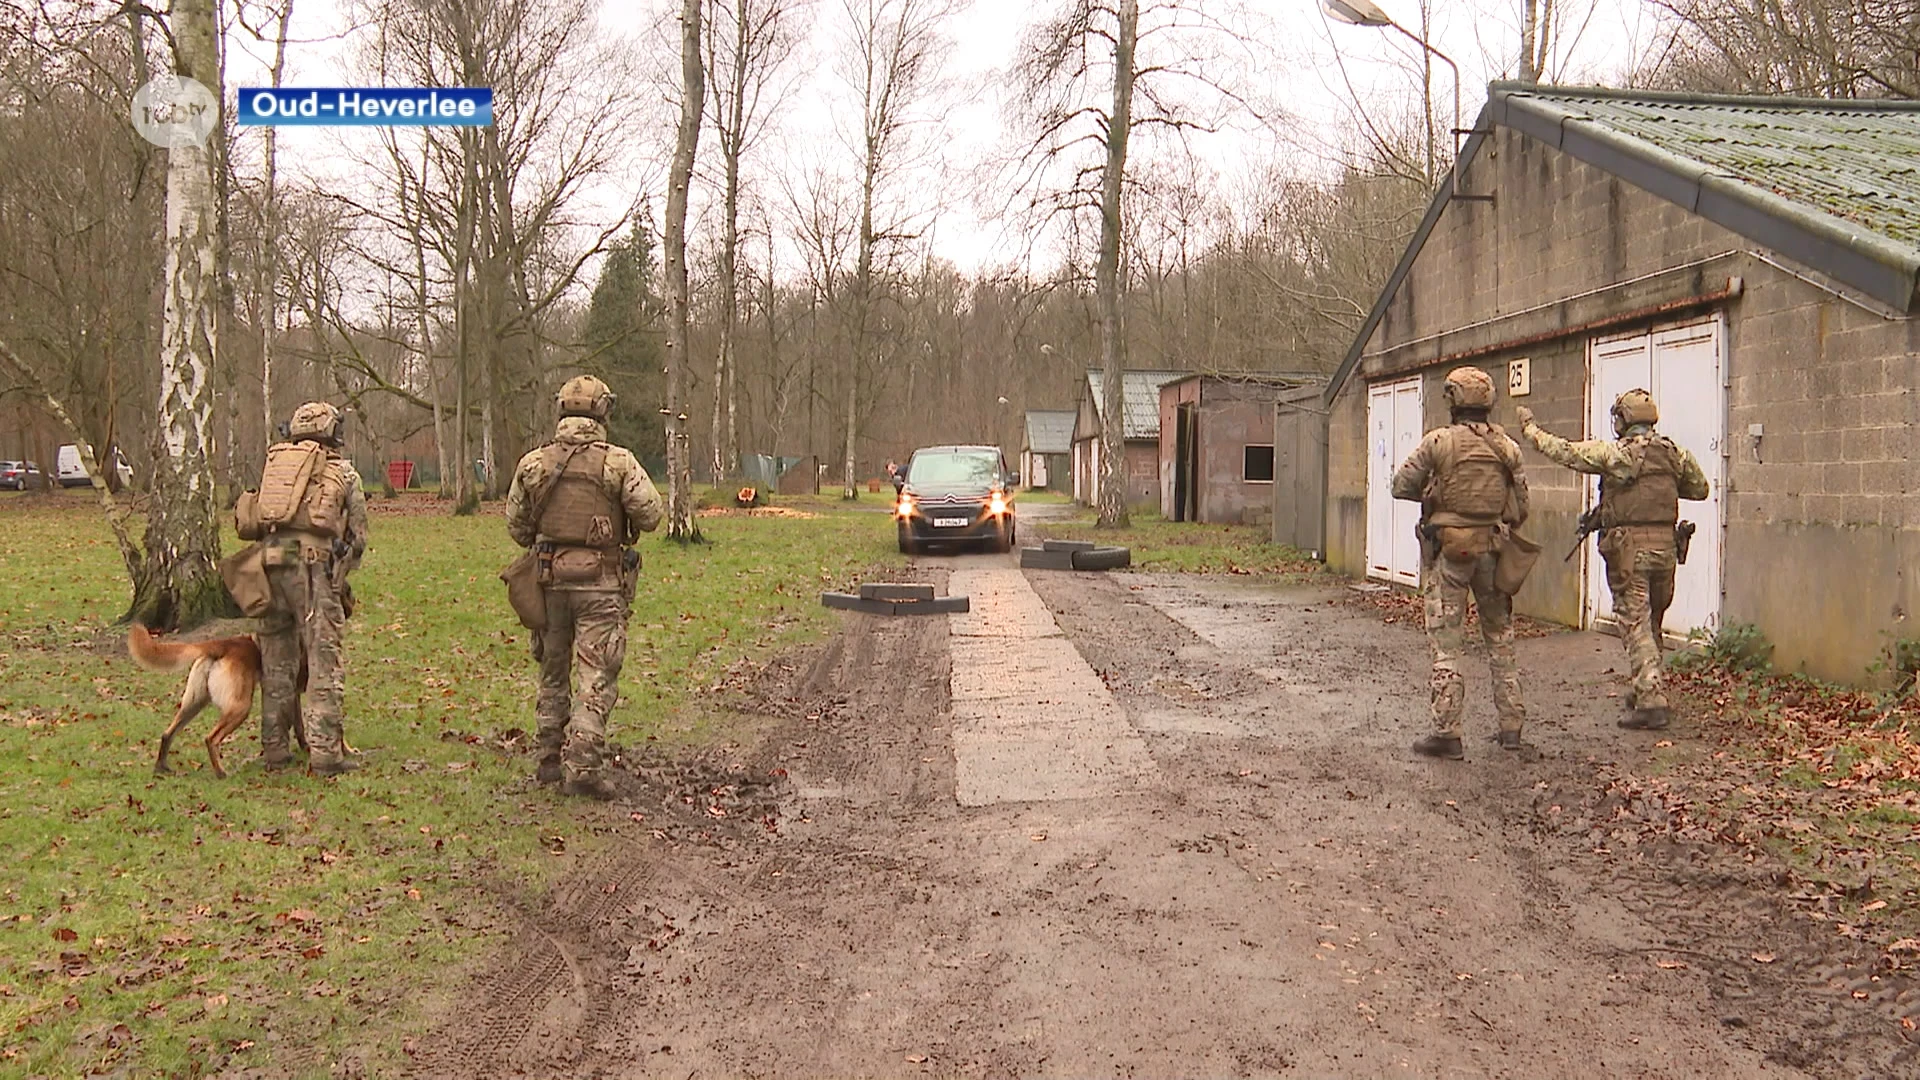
[{"x": 1368, "y": 13}]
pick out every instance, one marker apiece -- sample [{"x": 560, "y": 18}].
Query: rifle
[{"x": 1588, "y": 524}]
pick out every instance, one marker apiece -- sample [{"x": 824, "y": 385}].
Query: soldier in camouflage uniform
[
  {"x": 1468, "y": 479},
  {"x": 314, "y": 537},
  {"x": 584, "y": 502},
  {"x": 1644, "y": 475}
]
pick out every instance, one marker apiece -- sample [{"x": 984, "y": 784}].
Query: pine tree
[{"x": 623, "y": 339}]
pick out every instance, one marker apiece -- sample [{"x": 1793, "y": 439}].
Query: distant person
[
  {"x": 1643, "y": 476},
  {"x": 580, "y": 502},
  {"x": 313, "y": 517},
  {"x": 1469, "y": 482}
]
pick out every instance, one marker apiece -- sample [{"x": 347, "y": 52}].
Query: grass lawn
[
  {"x": 184, "y": 925},
  {"x": 1191, "y": 547}
]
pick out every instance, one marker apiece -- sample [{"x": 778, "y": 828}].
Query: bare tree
[
  {"x": 680, "y": 523},
  {"x": 179, "y": 583},
  {"x": 748, "y": 42},
  {"x": 1820, "y": 48},
  {"x": 893, "y": 51}
]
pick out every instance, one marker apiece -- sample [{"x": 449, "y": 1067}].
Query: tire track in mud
[
  {"x": 1816, "y": 1003},
  {"x": 608, "y": 974}
]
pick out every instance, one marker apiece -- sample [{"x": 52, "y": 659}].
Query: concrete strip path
[{"x": 1031, "y": 720}]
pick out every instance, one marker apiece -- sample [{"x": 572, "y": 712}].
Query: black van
[{"x": 957, "y": 494}]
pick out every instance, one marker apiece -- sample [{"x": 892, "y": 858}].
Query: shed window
[{"x": 1259, "y": 464}]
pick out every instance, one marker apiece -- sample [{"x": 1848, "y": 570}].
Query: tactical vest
[
  {"x": 1652, "y": 497},
  {"x": 1471, "y": 481},
  {"x": 302, "y": 489},
  {"x": 579, "y": 510}
]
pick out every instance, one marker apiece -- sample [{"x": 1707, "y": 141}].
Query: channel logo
[{"x": 308, "y": 106}]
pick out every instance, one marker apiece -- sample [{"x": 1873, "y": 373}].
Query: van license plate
[{"x": 949, "y": 523}]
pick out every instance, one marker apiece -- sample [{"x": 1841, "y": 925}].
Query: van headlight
[
  {"x": 997, "y": 505},
  {"x": 905, "y": 507}
]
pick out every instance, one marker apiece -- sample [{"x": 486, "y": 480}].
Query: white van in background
[{"x": 69, "y": 472}]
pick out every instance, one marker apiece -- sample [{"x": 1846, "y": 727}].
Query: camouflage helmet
[
  {"x": 1634, "y": 407},
  {"x": 584, "y": 395},
  {"x": 316, "y": 420},
  {"x": 1469, "y": 388}
]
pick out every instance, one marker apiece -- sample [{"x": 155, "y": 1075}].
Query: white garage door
[
  {"x": 1682, "y": 366},
  {"x": 1393, "y": 431}
]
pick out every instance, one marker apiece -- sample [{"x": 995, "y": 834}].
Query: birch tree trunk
[
  {"x": 1112, "y": 479},
  {"x": 269, "y": 238},
  {"x": 178, "y": 583},
  {"x": 680, "y": 524}
]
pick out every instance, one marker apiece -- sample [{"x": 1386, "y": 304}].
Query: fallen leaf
[
  {"x": 1860, "y": 995},
  {"x": 916, "y": 1059},
  {"x": 314, "y": 953},
  {"x": 1764, "y": 957},
  {"x": 61, "y": 933},
  {"x": 413, "y": 894},
  {"x": 1875, "y": 906},
  {"x": 214, "y": 1004},
  {"x": 1664, "y": 743},
  {"x": 1037, "y": 837},
  {"x": 1670, "y": 965},
  {"x": 299, "y": 915}
]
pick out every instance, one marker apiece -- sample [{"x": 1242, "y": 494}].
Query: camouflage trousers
[
  {"x": 306, "y": 621},
  {"x": 1446, "y": 585},
  {"x": 1640, "y": 568},
  {"x": 586, "y": 633}
]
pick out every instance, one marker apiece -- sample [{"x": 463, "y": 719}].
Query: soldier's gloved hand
[{"x": 1526, "y": 417}]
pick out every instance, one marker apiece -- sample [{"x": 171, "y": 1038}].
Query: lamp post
[{"x": 1368, "y": 13}]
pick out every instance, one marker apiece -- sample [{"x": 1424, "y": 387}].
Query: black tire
[
  {"x": 1106, "y": 558},
  {"x": 908, "y": 545},
  {"x": 1002, "y": 541}
]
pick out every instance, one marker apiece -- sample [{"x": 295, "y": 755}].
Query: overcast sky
[{"x": 1313, "y": 60}]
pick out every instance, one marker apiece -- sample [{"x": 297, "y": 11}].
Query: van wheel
[
  {"x": 1002, "y": 541},
  {"x": 908, "y": 545}
]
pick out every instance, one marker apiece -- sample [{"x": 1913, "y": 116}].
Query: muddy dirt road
[{"x": 1128, "y": 825}]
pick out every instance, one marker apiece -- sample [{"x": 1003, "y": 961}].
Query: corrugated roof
[
  {"x": 1858, "y": 161},
  {"x": 1050, "y": 431},
  {"x": 1140, "y": 414},
  {"x": 1834, "y": 185}
]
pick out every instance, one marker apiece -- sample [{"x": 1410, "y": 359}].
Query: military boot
[
  {"x": 1509, "y": 740},
  {"x": 332, "y": 766},
  {"x": 1649, "y": 719},
  {"x": 590, "y": 785},
  {"x": 275, "y": 758},
  {"x": 1441, "y": 746},
  {"x": 549, "y": 771}
]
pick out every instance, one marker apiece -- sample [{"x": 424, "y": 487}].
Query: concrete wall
[
  {"x": 1299, "y": 470},
  {"x": 1229, "y": 423},
  {"x": 1822, "y": 532}
]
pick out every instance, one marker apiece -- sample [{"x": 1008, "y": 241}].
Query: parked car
[
  {"x": 71, "y": 473},
  {"x": 19, "y": 475},
  {"x": 957, "y": 494}
]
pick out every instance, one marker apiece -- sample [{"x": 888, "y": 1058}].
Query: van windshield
[{"x": 980, "y": 467}]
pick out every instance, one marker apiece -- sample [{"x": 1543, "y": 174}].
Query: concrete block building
[
  {"x": 1750, "y": 260},
  {"x": 1217, "y": 455}
]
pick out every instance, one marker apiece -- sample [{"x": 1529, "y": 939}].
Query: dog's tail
[{"x": 159, "y": 655}]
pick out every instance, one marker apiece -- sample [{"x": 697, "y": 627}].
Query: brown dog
[{"x": 222, "y": 673}]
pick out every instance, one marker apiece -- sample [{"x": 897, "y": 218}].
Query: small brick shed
[
  {"x": 1218, "y": 461},
  {"x": 1751, "y": 260}
]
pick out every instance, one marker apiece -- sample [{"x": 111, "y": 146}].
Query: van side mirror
[{"x": 1013, "y": 479}]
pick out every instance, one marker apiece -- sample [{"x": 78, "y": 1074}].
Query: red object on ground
[{"x": 400, "y": 474}]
